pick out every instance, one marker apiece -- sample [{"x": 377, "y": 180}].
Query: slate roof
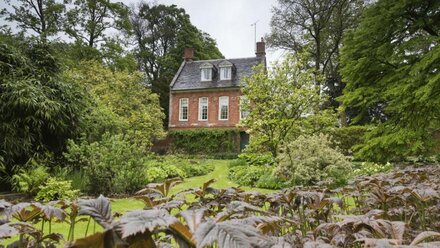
[{"x": 188, "y": 77}]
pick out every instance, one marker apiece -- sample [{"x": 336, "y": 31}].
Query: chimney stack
[
  {"x": 188, "y": 54},
  {"x": 261, "y": 48}
]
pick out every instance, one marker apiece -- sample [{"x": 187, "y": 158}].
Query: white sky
[{"x": 228, "y": 22}]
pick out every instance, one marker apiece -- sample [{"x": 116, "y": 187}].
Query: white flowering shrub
[{"x": 310, "y": 159}]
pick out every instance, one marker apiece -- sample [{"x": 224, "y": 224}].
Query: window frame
[
  {"x": 203, "y": 72},
  {"x": 220, "y": 108},
  {"x": 227, "y": 68},
  {"x": 201, "y": 108},
  {"x": 181, "y": 108}
]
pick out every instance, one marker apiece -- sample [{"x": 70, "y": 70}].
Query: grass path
[{"x": 220, "y": 173}]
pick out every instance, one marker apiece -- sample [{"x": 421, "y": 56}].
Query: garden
[{"x": 344, "y": 129}]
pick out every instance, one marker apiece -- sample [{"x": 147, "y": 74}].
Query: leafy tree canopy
[
  {"x": 89, "y": 20},
  {"x": 280, "y": 102},
  {"x": 316, "y": 26},
  {"x": 391, "y": 64},
  {"x": 123, "y": 104},
  {"x": 44, "y": 17}
]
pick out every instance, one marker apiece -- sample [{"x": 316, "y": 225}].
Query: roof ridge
[{"x": 209, "y": 60}]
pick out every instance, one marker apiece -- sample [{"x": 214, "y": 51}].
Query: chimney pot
[
  {"x": 188, "y": 54},
  {"x": 261, "y": 48}
]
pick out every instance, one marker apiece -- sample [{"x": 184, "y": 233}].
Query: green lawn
[{"x": 220, "y": 173}]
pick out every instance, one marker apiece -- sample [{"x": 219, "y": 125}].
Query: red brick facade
[{"x": 213, "y": 109}]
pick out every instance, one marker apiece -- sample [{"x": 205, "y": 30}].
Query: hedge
[{"x": 204, "y": 141}]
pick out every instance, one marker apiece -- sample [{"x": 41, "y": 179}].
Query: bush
[
  {"x": 370, "y": 168},
  {"x": 247, "y": 175},
  {"x": 55, "y": 189},
  {"x": 213, "y": 142},
  {"x": 254, "y": 170},
  {"x": 269, "y": 181},
  {"x": 171, "y": 166},
  {"x": 194, "y": 169},
  {"x": 112, "y": 165},
  {"x": 28, "y": 180},
  {"x": 258, "y": 159},
  {"x": 310, "y": 159},
  {"x": 155, "y": 174},
  {"x": 423, "y": 159},
  {"x": 237, "y": 162}
]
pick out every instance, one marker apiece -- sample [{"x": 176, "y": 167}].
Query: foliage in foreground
[{"x": 394, "y": 209}]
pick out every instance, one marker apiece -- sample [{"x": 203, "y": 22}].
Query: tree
[
  {"x": 116, "y": 56},
  {"x": 316, "y": 26},
  {"x": 123, "y": 104},
  {"x": 278, "y": 101},
  {"x": 39, "y": 111},
  {"x": 391, "y": 62},
  {"x": 161, "y": 33},
  {"x": 89, "y": 20},
  {"x": 44, "y": 17}
]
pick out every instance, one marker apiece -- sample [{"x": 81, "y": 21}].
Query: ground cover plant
[{"x": 387, "y": 209}]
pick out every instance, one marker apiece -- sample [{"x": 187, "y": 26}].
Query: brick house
[{"x": 206, "y": 93}]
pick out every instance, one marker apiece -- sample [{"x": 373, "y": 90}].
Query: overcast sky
[{"x": 228, "y": 22}]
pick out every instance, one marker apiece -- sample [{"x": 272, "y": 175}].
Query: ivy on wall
[{"x": 206, "y": 141}]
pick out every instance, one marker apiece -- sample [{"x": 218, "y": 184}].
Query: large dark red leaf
[
  {"x": 140, "y": 221},
  {"x": 229, "y": 234},
  {"x": 100, "y": 210}
]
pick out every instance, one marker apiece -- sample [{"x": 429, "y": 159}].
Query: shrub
[
  {"x": 237, "y": 162},
  {"x": 112, "y": 165},
  {"x": 55, "y": 189},
  {"x": 197, "y": 168},
  {"x": 270, "y": 181},
  {"x": 258, "y": 159},
  {"x": 247, "y": 175},
  {"x": 370, "y": 168},
  {"x": 178, "y": 166},
  {"x": 222, "y": 142},
  {"x": 155, "y": 174},
  {"x": 173, "y": 166},
  {"x": 423, "y": 159},
  {"x": 28, "y": 180},
  {"x": 254, "y": 170},
  {"x": 310, "y": 159}
]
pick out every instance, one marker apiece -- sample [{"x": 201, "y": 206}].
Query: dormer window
[
  {"x": 225, "y": 70},
  {"x": 206, "y": 71}
]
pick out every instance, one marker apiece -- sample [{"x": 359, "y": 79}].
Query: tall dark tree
[
  {"x": 38, "y": 110},
  {"x": 316, "y": 26},
  {"x": 392, "y": 62},
  {"x": 89, "y": 20},
  {"x": 44, "y": 17},
  {"x": 161, "y": 33}
]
